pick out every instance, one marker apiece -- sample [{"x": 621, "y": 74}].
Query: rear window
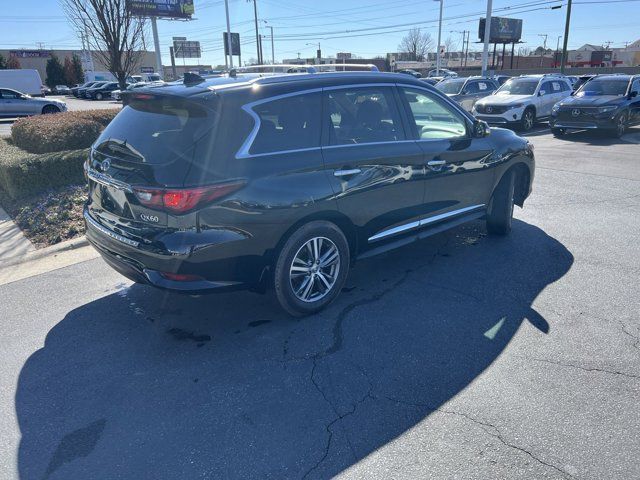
[{"x": 158, "y": 130}]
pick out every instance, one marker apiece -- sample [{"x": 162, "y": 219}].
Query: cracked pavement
[{"x": 463, "y": 356}]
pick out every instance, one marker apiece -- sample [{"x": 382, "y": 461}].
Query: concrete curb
[
  {"x": 65, "y": 246},
  {"x": 46, "y": 260}
]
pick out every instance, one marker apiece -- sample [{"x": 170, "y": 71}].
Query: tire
[
  {"x": 621, "y": 126},
  {"x": 50, "y": 109},
  {"x": 528, "y": 119},
  {"x": 99, "y": 96},
  {"x": 558, "y": 132},
  {"x": 500, "y": 211},
  {"x": 302, "y": 286}
]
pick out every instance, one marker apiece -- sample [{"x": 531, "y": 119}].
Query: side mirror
[
  {"x": 541, "y": 93},
  {"x": 480, "y": 129}
]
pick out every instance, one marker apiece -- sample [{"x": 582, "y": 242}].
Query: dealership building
[{"x": 93, "y": 65}]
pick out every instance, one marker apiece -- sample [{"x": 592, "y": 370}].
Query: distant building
[{"x": 37, "y": 59}]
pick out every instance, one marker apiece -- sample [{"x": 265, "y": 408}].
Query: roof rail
[{"x": 298, "y": 68}]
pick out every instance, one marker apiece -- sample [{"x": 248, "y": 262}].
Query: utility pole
[
  {"x": 273, "y": 55},
  {"x": 566, "y": 37},
  {"x": 487, "y": 34},
  {"x": 557, "y": 50},
  {"x": 229, "y": 42},
  {"x": 439, "y": 37},
  {"x": 544, "y": 46},
  {"x": 156, "y": 45},
  {"x": 255, "y": 17}
]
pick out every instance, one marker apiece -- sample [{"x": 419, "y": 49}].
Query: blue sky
[{"x": 365, "y": 28}]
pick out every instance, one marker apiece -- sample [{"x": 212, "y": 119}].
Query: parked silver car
[
  {"x": 16, "y": 104},
  {"x": 467, "y": 91}
]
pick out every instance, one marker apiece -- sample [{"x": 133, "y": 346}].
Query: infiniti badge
[
  {"x": 489, "y": 109},
  {"x": 104, "y": 165},
  {"x": 575, "y": 112}
]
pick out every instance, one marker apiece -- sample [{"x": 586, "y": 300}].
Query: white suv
[{"x": 523, "y": 100}]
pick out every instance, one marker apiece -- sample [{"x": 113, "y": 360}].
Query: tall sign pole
[
  {"x": 226, "y": 9},
  {"x": 487, "y": 33},
  {"x": 156, "y": 45},
  {"x": 439, "y": 38},
  {"x": 566, "y": 38}
]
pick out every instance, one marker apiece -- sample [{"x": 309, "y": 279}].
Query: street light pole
[
  {"x": 566, "y": 38},
  {"x": 544, "y": 46},
  {"x": 439, "y": 38},
  {"x": 226, "y": 8},
  {"x": 255, "y": 17},
  {"x": 487, "y": 33},
  {"x": 557, "y": 49}
]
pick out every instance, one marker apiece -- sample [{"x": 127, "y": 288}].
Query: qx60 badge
[{"x": 149, "y": 218}]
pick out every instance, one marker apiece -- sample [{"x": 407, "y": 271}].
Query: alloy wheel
[
  {"x": 621, "y": 125},
  {"x": 528, "y": 120},
  {"x": 314, "y": 269}
]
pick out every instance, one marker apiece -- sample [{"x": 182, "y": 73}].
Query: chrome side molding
[{"x": 424, "y": 221}]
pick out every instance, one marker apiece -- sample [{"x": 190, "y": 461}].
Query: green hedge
[
  {"x": 60, "y": 131},
  {"x": 23, "y": 174}
]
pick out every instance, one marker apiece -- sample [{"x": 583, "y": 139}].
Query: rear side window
[
  {"x": 290, "y": 123},
  {"x": 363, "y": 115},
  {"x": 158, "y": 130}
]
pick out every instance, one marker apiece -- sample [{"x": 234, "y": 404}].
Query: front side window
[
  {"x": 433, "y": 118},
  {"x": 363, "y": 115},
  {"x": 635, "y": 86},
  {"x": 289, "y": 123}
]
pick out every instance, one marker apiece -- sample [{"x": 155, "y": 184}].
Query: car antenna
[{"x": 191, "y": 78}]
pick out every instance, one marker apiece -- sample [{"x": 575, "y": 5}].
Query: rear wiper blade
[{"x": 114, "y": 146}]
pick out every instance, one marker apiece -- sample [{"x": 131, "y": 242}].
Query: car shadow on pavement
[{"x": 145, "y": 384}]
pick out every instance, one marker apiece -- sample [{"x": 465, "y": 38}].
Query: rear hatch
[{"x": 149, "y": 149}]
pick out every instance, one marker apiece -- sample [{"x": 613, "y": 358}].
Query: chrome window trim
[
  {"x": 244, "y": 150},
  {"x": 423, "y": 222},
  {"x": 108, "y": 232},
  {"x": 107, "y": 180}
]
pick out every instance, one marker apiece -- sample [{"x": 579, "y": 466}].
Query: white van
[{"x": 22, "y": 80}]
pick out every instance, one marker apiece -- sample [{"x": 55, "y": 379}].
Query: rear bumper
[{"x": 215, "y": 256}]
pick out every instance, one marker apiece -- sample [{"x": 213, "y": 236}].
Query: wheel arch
[
  {"x": 522, "y": 181},
  {"x": 333, "y": 216}
]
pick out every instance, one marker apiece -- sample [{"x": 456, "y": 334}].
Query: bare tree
[
  {"x": 450, "y": 46},
  {"x": 115, "y": 36},
  {"x": 416, "y": 44}
]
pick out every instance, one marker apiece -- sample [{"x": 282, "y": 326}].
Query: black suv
[
  {"x": 606, "y": 102},
  {"x": 248, "y": 181},
  {"x": 102, "y": 91}
]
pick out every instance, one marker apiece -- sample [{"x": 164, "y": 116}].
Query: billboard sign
[
  {"x": 503, "y": 30},
  {"x": 235, "y": 43},
  {"x": 185, "y": 48},
  {"x": 599, "y": 57},
  {"x": 161, "y": 8}
]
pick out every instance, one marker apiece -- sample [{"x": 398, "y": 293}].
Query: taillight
[{"x": 182, "y": 200}]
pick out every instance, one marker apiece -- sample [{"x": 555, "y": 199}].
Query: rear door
[
  {"x": 458, "y": 176},
  {"x": 374, "y": 170}
]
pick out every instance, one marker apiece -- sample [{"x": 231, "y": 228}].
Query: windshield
[
  {"x": 451, "y": 87},
  {"x": 518, "y": 86},
  {"x": 605, "y": 86},
  {"x": 157, "y": 131}
]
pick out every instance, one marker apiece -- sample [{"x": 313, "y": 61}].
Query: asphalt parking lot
[
  {"x": 73, "y": 104},
  {"x": 462, "y": 356}
]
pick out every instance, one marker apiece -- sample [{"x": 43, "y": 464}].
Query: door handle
[
  {"x": 436, "y": 163},
  {"x": 346, "y": 172}
]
